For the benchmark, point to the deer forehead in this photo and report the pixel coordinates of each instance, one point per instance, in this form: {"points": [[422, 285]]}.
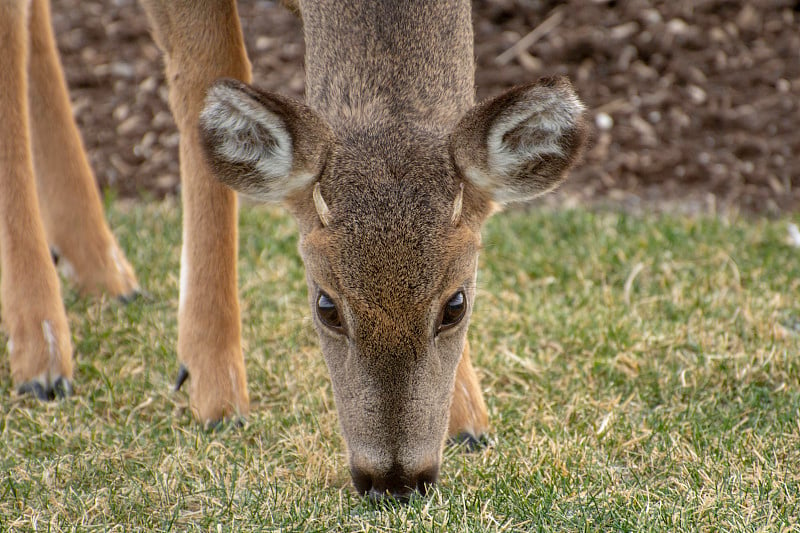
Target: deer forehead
{"points": [[389, 240], [401, 252]]}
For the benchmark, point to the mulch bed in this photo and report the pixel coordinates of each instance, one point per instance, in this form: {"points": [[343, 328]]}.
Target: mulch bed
{"points": [[693, 101]]}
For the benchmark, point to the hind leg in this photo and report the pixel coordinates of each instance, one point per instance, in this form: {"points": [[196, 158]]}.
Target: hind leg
{"points": [[39, 346], [70, 203]]}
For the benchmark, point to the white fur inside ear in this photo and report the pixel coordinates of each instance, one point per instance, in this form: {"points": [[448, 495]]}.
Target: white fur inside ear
{"points": [[538, 124], [249, 133]]}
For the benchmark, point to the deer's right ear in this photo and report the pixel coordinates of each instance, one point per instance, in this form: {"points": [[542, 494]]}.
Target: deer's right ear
{"points": [[261, 144], [520, 144]]}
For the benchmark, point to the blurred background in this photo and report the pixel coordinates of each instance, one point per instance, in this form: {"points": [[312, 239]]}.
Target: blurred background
{"points": [[695, 103]]}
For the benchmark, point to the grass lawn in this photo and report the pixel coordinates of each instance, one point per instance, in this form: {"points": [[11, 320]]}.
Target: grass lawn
{"points": [[642, 374]]}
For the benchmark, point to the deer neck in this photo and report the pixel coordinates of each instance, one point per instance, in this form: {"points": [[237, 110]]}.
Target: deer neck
{"points": [[389, 63]]}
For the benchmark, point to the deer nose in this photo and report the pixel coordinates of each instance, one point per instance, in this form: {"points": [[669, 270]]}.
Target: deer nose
{"points": [[394, 483]]}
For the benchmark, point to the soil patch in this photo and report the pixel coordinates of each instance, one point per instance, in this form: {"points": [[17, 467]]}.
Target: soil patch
{"points": [[691, 99]]}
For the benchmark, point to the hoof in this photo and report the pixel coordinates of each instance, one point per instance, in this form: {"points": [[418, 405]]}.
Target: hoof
{"points": [[213, 426], [131, 297], [183, 375], [36, 389], [213, 418], [60, 389], [470, 442]]}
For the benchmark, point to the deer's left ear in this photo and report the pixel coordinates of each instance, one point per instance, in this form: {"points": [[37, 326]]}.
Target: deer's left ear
{"points": [[521, 143]]}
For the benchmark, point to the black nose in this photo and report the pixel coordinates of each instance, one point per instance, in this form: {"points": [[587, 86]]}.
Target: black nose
{"points": [[395, 483]]}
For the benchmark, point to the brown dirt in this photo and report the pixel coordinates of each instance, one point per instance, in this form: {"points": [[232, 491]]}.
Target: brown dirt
{"points": [[693, 100]]}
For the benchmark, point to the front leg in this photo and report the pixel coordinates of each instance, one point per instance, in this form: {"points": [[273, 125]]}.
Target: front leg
{"points": [[209, 329], [469, 420], [202, 41]]}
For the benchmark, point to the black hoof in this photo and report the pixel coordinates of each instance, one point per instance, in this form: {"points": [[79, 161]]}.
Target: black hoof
{"points": [[60, 389], [35, 389], [469, 442], [131, 297], [219, 425], [183, 374]]}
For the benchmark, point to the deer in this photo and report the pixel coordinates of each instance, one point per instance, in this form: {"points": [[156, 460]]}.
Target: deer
{"points": [[389, 169]]}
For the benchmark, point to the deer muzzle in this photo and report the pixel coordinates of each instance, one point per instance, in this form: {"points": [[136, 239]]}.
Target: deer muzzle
{"points": [[396, 482]]}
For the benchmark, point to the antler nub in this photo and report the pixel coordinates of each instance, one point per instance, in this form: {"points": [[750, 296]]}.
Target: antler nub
{"points": [[457, 205], [321, 206]]}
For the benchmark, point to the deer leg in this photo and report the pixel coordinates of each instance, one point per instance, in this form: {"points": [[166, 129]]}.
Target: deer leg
{"points": [[39, 345], [69, 200], [202, 41], [469, 420]]}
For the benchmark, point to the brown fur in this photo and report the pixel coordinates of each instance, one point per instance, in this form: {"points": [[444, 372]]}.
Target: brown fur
{"points": [[42, 162], [468, 411], [389, 119], [388, 137], [209, 327]]}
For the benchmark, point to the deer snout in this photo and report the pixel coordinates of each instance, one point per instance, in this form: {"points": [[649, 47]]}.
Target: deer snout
{"points": [[396, 482]]}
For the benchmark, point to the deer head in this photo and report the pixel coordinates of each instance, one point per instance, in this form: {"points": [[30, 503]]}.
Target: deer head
{"points": [[389, 234], [390, 181]]}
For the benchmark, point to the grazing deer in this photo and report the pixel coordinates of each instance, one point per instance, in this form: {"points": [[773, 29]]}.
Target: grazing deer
{"points": [[48, 202], [390, 170]]}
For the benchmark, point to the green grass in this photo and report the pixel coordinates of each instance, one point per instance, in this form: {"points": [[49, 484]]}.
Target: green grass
{"points": [[642, 374]]}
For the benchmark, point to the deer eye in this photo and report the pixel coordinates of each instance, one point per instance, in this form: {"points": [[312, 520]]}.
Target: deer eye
{"points": [[453, 311], [327, 312]]}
